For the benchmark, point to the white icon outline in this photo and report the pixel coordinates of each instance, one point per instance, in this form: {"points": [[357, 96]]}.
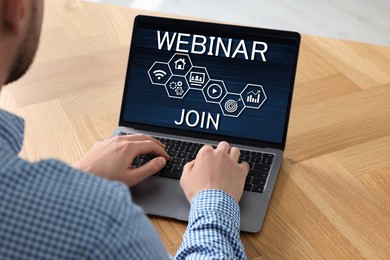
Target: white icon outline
{"points": [[180, 57], [252, 99], [177, 87], [262, 97], [229, 101], [222, 94], [214, 86], [194, 82], [180, 64], [166, 77], [231, 106]]}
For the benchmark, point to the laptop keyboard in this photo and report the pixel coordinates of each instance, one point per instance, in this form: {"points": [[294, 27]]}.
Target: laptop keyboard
{"points": [[182, 152]]}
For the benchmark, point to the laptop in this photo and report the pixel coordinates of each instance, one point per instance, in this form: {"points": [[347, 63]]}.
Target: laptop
{"points": [[192, 83]]}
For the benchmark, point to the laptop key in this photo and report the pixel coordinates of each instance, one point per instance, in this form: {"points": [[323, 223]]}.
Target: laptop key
{"points": [[191, 156], [244, 157], [260, 174], [263, 175], [258, 181], [248, 187], [191, 149], [258, 188], [261, 167], [268, 155], [178, 169], [176, 141], [137, 162], [186, 144], [182, 154], [168, 167], [176, 161], [198, 145], [169, 146], [245, 152], [266, 160], [256, 154], [172, 153], [167, 174], [255, 159], [185, 161], [180, 148]]}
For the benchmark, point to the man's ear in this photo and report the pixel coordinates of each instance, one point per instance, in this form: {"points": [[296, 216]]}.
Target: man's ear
{"points": [[14, 15]]}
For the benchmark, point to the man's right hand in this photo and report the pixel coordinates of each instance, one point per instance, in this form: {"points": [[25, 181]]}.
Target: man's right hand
{"points": [[112, 158], [215, 169]]}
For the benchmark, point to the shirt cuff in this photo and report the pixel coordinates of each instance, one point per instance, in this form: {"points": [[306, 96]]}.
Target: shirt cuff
{"points": [[217, 202]]}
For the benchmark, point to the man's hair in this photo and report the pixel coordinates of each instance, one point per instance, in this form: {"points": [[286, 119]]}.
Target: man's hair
{"points": [[28, 47]]}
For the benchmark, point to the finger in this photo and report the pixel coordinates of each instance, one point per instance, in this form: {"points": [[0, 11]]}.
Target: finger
{"points": [[141, 137], [146, 147], [137, 175], [188, 166], [235, 153], [205, 148], [223, 146], [245, 166]]}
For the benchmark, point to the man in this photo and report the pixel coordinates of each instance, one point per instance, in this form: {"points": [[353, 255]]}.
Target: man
{"points": [[50, 210]]}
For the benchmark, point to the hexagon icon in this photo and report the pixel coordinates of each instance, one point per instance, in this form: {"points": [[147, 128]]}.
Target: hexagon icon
{"points": [[180, 64], [253, 96], [177, 87], [232, 105], [159, 73], [214, 91], [197, 77]]}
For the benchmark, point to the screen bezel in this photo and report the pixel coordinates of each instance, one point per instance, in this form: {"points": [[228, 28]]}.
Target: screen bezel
{"points": [[226, 30]]}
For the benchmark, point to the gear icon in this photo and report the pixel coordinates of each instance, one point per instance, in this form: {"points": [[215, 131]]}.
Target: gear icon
{"points": [[179, 91], [173, 85]]}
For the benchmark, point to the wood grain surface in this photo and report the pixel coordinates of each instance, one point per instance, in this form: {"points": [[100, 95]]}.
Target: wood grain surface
{"points": [[332, 197]]}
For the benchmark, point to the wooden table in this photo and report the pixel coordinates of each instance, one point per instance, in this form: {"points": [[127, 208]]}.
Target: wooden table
{"points": [[332, 197]]}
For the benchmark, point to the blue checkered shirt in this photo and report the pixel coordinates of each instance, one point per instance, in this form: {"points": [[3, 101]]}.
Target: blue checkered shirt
{"points": [[49, 210]]}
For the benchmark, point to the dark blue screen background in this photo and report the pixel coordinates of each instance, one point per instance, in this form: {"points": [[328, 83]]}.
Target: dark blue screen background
{"points": [[149, 104]]}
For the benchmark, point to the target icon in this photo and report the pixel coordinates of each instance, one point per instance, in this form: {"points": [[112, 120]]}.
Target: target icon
{"points": [[231, 106]]}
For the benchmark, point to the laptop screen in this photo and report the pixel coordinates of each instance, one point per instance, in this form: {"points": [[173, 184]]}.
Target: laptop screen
{"points": [[210, 80]]}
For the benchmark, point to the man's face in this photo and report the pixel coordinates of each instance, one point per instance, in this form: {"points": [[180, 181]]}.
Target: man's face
{"points": [[29, 45]]}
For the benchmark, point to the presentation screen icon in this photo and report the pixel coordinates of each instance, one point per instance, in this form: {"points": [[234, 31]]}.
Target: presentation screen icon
{"points": [[197, 78]]}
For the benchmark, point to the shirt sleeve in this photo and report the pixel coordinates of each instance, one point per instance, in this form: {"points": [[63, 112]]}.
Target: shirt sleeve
{"points": [[213, 230], [128, 234]]}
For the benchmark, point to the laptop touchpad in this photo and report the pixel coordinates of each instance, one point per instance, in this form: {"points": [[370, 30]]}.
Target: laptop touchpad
{"points": [[163, 197]]}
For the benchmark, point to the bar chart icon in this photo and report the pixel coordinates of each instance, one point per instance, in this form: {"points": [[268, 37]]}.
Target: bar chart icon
{"points": [[253, 97]]}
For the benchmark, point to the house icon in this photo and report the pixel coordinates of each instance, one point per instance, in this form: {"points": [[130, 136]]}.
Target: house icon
{"points": [[180, 64]]}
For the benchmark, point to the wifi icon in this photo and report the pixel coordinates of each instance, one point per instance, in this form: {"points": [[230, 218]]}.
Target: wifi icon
{"points": [[159, 74]]}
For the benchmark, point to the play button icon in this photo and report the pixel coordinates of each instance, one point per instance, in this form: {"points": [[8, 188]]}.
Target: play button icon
{"points": [[214, 91]]}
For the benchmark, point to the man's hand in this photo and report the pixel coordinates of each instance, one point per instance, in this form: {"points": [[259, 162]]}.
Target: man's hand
{"points": [[112, 158], [215, 169]]}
